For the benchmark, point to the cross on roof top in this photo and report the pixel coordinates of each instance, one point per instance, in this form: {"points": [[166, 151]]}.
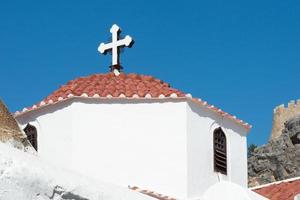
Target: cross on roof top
{"points": [[115, 46]]}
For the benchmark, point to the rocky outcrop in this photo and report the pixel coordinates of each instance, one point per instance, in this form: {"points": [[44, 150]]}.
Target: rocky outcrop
{"points": [[10, 131], [279, 159]]}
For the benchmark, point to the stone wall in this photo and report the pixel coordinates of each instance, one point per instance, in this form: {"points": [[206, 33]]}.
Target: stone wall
{"points": [[282, 114], [10, 131]]}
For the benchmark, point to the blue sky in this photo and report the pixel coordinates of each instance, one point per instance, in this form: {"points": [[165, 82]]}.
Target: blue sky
{"points": [[242, 56]]}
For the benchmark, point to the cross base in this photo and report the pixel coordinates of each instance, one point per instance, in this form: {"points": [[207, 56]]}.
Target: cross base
{"points": [[117, 67]]}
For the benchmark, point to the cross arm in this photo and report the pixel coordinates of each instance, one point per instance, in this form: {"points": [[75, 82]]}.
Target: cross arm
{"points": [[127, 41], [104, 47]]}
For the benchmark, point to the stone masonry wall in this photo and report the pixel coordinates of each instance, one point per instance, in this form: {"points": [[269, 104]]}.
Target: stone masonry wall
{"points": [[10, 131], [282, 114]]}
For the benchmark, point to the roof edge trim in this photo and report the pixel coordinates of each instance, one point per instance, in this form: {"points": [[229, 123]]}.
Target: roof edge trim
{"points": [[275, 183], [187, 97]]}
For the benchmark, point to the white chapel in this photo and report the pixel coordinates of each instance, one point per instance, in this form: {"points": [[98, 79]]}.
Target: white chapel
{"points": [[136, 130]]}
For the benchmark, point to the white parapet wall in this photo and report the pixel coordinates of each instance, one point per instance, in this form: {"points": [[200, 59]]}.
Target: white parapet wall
{"points": [[28, 177]]}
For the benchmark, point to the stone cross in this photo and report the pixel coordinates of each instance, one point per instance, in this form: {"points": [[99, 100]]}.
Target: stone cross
{"points": [[115, 46]]}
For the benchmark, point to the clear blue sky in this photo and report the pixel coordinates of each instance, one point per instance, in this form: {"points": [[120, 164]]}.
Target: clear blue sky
{"points": [[242, 56]]}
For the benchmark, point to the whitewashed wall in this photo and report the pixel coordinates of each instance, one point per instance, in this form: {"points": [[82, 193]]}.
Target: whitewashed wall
{"points": [[54, 127], [201, 123], [139, 144], [159, 145]]}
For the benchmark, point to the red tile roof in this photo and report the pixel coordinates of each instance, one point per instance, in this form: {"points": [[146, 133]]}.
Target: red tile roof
{"points": [[109, 84], [282, 190], [128, 86], [152, 194]]}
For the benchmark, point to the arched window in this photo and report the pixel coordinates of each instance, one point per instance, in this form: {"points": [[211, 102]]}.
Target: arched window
{"points": [[31, 134], [220, 153]]}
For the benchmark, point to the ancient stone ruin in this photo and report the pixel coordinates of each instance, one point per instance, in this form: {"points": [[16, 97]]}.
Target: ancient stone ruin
{"points": [[282, 114], [279, 159]]}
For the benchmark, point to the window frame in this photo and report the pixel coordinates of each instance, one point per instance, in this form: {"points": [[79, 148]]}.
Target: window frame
{"points": [[220, 151], [31, 134]]}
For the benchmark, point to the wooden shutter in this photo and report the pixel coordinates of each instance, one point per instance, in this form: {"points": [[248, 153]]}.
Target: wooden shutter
{"points": [[220, 153], [31, 134]]}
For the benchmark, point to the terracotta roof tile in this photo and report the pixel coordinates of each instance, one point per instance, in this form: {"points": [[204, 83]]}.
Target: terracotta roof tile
{"points": [[152, 193], [284, 190], [104, 84], [123, 86]]}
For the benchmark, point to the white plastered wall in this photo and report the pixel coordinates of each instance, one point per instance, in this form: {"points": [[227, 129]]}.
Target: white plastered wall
{"points": [[55, 129], [153, 144], [127, 142], [201, 123]]}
